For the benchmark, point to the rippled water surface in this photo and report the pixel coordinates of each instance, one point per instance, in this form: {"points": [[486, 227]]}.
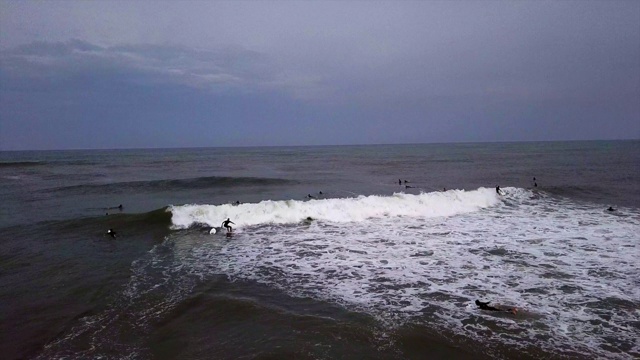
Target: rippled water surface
{"points": [[338, 252]]}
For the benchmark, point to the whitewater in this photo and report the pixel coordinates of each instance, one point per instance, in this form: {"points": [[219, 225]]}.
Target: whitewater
{"points": [[340, 210], [367, 268], [569, 267]]}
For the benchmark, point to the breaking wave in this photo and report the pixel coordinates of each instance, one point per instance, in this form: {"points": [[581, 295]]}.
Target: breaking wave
{"points": [[339, 210]]}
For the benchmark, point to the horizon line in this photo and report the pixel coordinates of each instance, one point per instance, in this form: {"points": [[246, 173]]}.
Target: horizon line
{"points": [[318, 145]]}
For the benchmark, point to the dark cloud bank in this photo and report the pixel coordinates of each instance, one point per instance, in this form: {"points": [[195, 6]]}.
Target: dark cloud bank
{"points": [[78, 94]]}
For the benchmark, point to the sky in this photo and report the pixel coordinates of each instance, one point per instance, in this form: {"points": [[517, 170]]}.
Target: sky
{"points": [[158, 74]]}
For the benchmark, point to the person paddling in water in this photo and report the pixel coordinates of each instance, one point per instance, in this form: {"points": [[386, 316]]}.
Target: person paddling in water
{"points": [[225, 224], [485, 306]]}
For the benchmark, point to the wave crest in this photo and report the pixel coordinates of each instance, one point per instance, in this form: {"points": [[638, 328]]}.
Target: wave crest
{"points": [[357, 209], [169, 185]]}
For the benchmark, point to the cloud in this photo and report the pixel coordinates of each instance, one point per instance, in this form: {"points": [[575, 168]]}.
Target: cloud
{"points": [[230, 69], [319, 72]]}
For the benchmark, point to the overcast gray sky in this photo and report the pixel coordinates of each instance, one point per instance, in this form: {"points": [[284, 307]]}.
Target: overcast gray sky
{"points": [[137, 74]]}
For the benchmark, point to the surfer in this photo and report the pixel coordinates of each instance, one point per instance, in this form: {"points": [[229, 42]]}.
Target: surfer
{"points": [[611, 209], [311, 196], [485, 306], [111, 233], [498, 190], [225, 224], [399, 182]]}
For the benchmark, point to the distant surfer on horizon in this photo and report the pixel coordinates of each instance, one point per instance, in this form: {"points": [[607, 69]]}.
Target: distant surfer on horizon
{"points": [[485, 306], [498, 190], [225, 224], [111, 233], [611, 209]]}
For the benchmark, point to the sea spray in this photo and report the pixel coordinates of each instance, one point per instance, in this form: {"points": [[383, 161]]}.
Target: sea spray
{"points": [[340, 210]]}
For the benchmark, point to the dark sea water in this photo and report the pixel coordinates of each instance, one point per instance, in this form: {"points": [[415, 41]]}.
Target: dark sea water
{"points": [[365, 268]]}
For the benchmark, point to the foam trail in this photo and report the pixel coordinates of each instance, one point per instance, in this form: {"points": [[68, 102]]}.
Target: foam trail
{"points": [[343, 210]]}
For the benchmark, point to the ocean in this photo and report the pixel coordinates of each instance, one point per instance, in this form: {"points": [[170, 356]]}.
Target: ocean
{"points": [[338, 252]]}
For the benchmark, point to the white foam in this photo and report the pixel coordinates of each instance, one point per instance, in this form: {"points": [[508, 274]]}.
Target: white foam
{"points": [[358, 209], [425, 258]]}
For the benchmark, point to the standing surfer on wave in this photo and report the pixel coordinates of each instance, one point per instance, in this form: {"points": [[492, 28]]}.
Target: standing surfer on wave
{"points": [[225, 224]]}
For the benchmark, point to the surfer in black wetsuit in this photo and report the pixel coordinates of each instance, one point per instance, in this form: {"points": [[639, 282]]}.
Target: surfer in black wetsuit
{"points": [[485, 306], [111, 233], [498, 190], [225, 224], [611, 209]]}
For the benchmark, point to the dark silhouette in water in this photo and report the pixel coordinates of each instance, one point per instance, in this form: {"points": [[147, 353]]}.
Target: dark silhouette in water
{"points": [[119, 207], [498, 190], [611, 209], [111, 233], [485, 306], [225, 224]]}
